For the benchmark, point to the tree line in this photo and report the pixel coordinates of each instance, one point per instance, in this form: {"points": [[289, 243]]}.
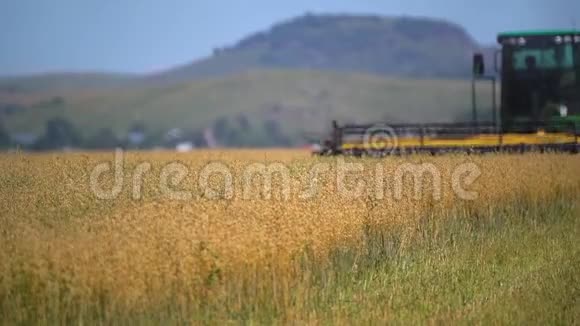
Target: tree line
{"points": [[60, 134]]}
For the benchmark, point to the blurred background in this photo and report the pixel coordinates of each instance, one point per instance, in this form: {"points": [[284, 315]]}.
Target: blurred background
{"points": [[184, 74]]}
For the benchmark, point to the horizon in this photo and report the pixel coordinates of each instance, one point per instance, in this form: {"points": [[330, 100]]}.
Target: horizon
{"points": [[105, 38]]}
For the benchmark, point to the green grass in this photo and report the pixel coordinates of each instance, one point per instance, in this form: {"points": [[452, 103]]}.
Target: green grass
{"points": [[519, 266]]}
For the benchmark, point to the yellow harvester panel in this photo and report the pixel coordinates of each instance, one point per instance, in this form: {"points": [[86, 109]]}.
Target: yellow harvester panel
{"points": [[470, 141]]}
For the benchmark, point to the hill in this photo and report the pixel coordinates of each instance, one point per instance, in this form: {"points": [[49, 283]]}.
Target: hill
{"points": [[388, 46], [295, 102]]}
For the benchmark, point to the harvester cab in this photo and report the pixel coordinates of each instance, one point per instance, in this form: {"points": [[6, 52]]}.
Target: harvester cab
{"points": [[540, 77], [539, 108]]}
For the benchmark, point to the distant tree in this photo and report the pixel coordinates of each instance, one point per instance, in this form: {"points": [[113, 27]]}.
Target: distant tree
{"points": [[225, 132], [4, 138], [104, 138], [198, 139], [59, 133], [243, 122], [274, 133], [220, 126], [138, 126]]}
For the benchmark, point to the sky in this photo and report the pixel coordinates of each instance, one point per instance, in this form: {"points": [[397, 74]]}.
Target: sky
{"points": [[143, 36]]}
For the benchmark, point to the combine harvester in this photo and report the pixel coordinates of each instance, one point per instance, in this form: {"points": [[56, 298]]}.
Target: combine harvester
{"points": [[539, 110]]}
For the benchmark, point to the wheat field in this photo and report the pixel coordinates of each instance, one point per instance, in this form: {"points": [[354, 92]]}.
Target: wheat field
{"points": [[173, 248]]}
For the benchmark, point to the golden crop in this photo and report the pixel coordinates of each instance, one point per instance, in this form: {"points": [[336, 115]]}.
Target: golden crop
{"points": [[61, 244]]}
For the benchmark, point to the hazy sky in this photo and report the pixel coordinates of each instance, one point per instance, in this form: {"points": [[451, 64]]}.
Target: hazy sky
{"points": [[151, 35]]}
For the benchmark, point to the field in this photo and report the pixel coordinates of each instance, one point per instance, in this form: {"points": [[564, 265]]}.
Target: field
{"points": [[206, 237]]}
